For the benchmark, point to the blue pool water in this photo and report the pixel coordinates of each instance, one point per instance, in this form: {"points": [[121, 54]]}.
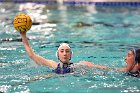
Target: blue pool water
{"points": [[105, 39]]}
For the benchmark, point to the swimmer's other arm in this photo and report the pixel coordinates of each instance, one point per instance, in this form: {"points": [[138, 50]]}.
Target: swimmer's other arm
{"points": [[109, 68], [38, 59], [90, 64]]}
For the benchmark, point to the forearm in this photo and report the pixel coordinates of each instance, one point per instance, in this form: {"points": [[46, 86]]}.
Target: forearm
{"points": [[90, 64], [122, 69], [26, 45], [100, 67], [109, 68]]}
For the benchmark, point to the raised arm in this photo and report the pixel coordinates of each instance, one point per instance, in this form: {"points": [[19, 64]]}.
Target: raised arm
{"points": [[38, 59]]}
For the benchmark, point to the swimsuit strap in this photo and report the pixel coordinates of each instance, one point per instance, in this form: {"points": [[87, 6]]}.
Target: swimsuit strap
{"points": [[134, 74]]}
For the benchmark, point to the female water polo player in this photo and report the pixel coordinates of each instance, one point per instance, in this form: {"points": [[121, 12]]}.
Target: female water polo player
{"points": [[133, 63], [63, 53], [132, 60]]}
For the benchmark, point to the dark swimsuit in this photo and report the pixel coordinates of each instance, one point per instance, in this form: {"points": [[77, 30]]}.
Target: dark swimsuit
{"points": [[65, 69], [134, 74]]}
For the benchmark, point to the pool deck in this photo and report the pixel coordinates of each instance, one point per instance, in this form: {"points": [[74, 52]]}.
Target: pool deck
{"points": [[103, 0], [70, 0]]}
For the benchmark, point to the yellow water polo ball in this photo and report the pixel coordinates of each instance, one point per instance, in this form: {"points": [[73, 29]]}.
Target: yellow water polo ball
{"points": [[22, 22]]}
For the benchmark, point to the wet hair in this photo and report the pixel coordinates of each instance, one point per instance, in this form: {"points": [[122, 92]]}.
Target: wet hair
{"points": [[136, 52]]}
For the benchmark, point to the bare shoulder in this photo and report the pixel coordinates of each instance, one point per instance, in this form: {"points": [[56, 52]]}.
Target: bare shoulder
{"points": [[53, 63]]}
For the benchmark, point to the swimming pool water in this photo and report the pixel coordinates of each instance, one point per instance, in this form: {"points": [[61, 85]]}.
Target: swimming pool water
{"points": [[110, 32]]}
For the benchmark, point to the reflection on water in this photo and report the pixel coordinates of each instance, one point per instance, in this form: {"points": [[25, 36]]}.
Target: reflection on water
{"points": [[102, 36]]}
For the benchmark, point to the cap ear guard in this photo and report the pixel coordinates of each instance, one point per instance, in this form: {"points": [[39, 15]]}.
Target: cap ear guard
{"points": [[137, 58], [56, 54], [137, 55]]}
